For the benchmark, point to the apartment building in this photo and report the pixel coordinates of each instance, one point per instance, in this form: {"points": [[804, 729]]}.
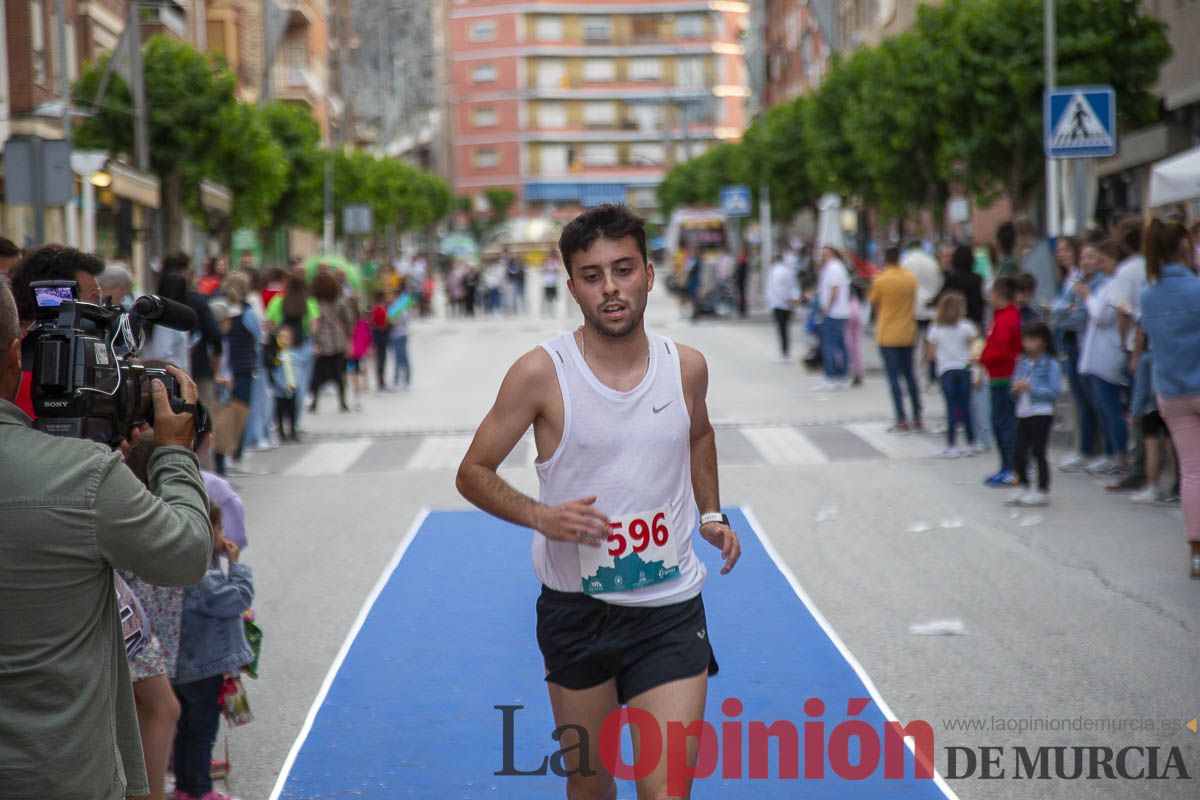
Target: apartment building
{"points": [[796, 47], [31, 105], [581, 102], [294, 38]]}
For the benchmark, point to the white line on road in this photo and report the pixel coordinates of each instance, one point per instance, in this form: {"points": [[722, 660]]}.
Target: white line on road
{"points": [[783, 446], [867, 683], [330, 458], [890, 444], [384, 577], [440, 452]]}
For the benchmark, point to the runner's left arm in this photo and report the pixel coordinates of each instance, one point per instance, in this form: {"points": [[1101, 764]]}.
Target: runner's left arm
{"points": [[705, 483]]}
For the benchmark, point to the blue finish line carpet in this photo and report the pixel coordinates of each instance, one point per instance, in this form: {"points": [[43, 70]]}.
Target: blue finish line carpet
{"points": [[410, 709]]}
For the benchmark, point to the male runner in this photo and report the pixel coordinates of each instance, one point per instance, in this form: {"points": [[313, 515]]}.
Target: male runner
{"points": [[626, 453]]}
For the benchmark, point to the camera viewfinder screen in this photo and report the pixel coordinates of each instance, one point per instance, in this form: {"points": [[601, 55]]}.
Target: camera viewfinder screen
{"points": [[49, 296]]}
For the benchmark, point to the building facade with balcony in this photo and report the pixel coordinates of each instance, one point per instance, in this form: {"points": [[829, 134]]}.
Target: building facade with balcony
{"points": [[298, 53], [796, 47], [581, 102], [115, 219]]}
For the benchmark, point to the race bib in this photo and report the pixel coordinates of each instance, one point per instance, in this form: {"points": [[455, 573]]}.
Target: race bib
{"points": [[640, 552]]}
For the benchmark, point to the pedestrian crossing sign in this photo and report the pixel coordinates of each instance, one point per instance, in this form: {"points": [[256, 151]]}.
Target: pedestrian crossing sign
{"points": [[1080, 122], [735, 201]]}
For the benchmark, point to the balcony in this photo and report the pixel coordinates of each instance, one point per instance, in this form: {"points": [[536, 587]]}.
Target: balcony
{"points": [[166, 18], [298, 84]]}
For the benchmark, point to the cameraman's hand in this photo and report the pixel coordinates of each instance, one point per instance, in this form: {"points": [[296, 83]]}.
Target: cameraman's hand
{"points": [[126, 445], [169, 427]]}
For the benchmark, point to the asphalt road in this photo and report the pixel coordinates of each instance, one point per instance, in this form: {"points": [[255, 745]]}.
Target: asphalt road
{"points": [[1077, 616]]}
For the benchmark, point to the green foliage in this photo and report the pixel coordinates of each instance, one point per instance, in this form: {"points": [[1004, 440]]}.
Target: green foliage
{"points": [[296, 130], [833, 164], [989, 96], [500, 201], [485, 227], [252, 163], [187, 95], [956, 97], [775, 153], [699, 180], [270, 157], [398, 193], [893, 140]]}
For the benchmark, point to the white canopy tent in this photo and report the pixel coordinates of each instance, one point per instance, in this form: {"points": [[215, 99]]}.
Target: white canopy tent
{"points": [[1176, 179], [829, 222]]}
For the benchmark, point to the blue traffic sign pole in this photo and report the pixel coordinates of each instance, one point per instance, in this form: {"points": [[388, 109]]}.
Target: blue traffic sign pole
{"points": [[1080, 125], [1052, 212]]}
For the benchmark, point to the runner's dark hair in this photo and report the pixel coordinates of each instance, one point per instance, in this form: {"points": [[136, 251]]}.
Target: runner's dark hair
{"points": [[602, 222]]}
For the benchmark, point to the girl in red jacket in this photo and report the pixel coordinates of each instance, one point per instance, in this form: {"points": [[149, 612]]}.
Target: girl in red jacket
{"points": [[999, 358]]}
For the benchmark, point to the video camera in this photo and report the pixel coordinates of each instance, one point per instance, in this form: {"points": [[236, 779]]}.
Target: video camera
{"points": [[87, 382]]}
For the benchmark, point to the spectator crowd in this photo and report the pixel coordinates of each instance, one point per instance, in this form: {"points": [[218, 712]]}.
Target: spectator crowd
{"points": [[1119, 342]]}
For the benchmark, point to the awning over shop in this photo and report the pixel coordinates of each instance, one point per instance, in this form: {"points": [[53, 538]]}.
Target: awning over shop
{"points": [[1144, 147], [133, 184], [216, 197], [1175, 180], [586, 194]]}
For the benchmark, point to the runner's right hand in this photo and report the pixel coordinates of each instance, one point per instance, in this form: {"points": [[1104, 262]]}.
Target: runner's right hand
{"points": [[577, 521]]}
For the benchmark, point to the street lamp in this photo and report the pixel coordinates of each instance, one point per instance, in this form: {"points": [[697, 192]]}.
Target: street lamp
{"points": [[89, 165]]}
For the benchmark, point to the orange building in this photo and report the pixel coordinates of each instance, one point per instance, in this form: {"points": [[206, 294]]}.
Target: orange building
{"points": [[581, 102]]}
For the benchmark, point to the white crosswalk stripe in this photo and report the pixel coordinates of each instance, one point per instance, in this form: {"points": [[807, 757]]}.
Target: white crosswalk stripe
{"points": [[783, 445], [891, 445], [330, 458], [439, 452], [773, 444]]}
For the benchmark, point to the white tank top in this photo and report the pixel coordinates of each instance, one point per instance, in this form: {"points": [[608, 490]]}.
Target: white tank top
{"points": [[632, 450]]}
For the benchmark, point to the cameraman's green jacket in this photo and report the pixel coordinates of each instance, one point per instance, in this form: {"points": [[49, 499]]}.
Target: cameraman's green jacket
{"points": [[70, 512]]}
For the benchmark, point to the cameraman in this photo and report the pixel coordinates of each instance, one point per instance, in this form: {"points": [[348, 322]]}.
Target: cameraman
{"points": [[70, 511], [52, 262]]}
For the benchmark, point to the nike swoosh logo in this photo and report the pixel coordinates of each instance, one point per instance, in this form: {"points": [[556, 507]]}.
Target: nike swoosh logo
{"points": [[658, 409], [701, 633]]}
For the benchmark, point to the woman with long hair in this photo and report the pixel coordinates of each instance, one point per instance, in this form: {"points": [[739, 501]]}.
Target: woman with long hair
{"points": [[165, 344], [1170, 311], [331, 336], [296, 309], [243, 348], [1102, 363], [1069, 316], [962, 278]]}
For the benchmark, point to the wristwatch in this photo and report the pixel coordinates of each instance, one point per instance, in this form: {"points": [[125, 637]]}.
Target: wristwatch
{"points": [[716, 516]]}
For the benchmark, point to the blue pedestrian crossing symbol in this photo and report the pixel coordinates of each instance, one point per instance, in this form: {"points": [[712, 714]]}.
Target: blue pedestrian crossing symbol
{"points": [[1080, 122], [735, 201]]}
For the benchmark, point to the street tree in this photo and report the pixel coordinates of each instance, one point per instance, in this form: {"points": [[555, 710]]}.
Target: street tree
{"points": [[834, 166], [399, 194], [486, 226], [698, 181], [891, 121], [775, 153], [188, 96], [252, 163], [990, 93], [296, 130]]}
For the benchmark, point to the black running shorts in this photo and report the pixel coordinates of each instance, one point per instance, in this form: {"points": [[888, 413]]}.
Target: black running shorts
{"points": [[586, 641]]}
